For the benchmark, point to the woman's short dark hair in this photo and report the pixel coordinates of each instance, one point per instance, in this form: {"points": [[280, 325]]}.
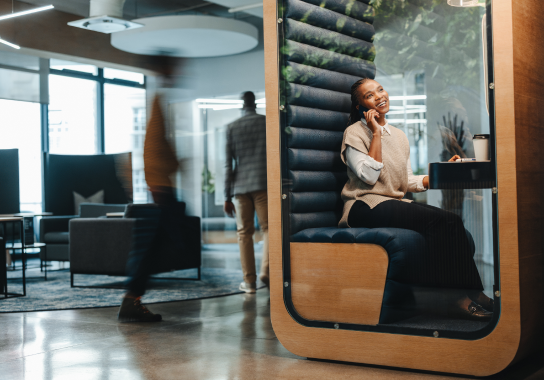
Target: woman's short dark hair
{"points": [[354, 115]]}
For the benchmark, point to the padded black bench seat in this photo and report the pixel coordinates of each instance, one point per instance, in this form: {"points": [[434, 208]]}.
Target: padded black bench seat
{"points": [[405, 248], [406, 252]]}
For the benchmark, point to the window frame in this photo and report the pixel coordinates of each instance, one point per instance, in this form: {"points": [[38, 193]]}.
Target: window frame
{"points": [[101, 81]]}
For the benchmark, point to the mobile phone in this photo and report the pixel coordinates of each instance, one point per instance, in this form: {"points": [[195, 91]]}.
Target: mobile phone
{"points": [[362, 109]]}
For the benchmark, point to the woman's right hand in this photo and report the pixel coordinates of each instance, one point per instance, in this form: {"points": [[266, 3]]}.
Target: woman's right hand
{"points": [[454, 158], [371, 117]]}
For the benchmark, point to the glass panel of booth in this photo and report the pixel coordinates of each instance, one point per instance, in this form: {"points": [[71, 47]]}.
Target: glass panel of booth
{"points": [[431, 58], [434, 69], [200, 137]]}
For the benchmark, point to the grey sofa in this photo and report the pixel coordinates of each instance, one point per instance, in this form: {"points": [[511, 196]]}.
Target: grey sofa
{"points": [[54, 230], [102, 246]]}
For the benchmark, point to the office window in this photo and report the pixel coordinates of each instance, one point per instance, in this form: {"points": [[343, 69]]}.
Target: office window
{"points": [[124, 128], [20, 129], [13, 59], [19, 85], [72, 115], [123, 75], [59, 64]]}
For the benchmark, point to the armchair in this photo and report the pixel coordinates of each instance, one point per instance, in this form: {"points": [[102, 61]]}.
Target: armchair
{"points": [[86, 175], [102, 246], [54, 230]]}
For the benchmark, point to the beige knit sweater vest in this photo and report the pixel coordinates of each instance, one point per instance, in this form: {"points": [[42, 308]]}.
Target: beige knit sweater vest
{"points": [[393, 180]]}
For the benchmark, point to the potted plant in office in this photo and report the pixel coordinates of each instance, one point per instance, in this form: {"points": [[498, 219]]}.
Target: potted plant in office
{"points": [[454, 138]]}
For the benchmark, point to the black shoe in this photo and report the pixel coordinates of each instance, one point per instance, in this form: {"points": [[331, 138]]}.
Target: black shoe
{"points": [[474, 312], [489, 306], [132, 310]]}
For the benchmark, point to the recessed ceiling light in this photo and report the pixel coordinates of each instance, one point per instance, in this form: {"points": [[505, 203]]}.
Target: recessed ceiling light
{"points": [[23, 13], [9, 44], [105, 24]]}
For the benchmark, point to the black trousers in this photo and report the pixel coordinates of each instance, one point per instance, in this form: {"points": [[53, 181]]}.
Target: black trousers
{"points": [[153, 227], [448, 260]]}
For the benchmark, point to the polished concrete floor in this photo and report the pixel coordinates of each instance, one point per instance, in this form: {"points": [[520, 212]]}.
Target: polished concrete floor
{"points": [[220, 338]]}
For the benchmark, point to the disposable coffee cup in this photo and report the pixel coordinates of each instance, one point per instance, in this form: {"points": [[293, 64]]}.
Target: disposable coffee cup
{"points": [[481, 147]]}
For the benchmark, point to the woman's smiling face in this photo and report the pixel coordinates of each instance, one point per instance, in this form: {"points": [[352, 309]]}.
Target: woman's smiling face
{"points": [[373, 96]]}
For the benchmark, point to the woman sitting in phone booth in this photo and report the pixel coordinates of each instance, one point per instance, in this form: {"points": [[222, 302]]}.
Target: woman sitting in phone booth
{"points": [[379, 175]]}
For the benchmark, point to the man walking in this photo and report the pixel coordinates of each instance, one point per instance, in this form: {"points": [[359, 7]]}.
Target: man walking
{"points": [[159, 222], [245, 187]]}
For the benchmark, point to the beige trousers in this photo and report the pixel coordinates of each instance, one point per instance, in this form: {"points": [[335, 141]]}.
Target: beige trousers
{"points": [[245, 206]]}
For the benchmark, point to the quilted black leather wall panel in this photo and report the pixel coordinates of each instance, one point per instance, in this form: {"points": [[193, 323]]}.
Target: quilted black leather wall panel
{"points": [[329, 60], [312, 118], [329, 40], [318, 160], [315, 201], [327, 47], [359, 10], [302, 221], [329, 20], [318, 78], [303, 138], [304, 181], [306, 96]]}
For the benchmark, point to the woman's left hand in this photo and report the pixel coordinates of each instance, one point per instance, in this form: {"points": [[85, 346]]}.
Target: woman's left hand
{"points": [[426, 182], [454, 158]]}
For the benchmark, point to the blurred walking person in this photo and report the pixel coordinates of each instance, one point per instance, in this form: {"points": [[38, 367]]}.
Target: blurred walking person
{"points": [[245, 187], [156, 222]]}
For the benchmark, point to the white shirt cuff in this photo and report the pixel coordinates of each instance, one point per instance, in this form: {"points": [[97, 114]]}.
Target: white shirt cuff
{"points": [[372, 163], [419, 183]]}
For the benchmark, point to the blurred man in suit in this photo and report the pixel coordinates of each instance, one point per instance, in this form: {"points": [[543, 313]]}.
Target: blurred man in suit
{"points": [[245, 187]]}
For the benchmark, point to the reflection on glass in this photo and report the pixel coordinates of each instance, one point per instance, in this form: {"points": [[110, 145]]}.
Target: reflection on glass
{"points": [[200, 143], [124, 126], [59, 64], [72, 115], [430, 58], [20, 129]]}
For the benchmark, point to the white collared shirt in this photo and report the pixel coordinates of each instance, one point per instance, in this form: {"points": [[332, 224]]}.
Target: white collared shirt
{"points": [[368, 169]]}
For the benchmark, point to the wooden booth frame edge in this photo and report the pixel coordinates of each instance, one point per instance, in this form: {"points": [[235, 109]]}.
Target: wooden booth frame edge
{"points": [[482, 357]]}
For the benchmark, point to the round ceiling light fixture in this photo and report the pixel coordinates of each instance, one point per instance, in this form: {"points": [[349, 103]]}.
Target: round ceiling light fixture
{"points": [[188, 36]]}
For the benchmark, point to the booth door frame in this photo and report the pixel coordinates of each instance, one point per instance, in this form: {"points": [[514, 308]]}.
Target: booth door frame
{"points": [[517, 92]]}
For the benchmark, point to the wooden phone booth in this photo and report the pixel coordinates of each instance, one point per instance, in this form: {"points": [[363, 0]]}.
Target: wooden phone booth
{"points": [[348, 294]]}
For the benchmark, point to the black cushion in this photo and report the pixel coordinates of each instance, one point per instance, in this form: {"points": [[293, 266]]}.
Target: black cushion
{"points": [[312, 118], [95, 210], [329, 40], [57, 237], [355, 9], [328, 60], [319, 78], [306, 96], [326, 19]]}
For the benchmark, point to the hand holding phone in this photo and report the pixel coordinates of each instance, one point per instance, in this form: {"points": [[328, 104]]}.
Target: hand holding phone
{"points": [[371, 117]]}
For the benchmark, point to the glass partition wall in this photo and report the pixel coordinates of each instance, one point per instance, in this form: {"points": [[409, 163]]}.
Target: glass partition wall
{"points": [[433, 59], [200, 138]]}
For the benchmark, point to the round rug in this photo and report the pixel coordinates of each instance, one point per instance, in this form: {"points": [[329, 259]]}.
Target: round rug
{"points": [[56, 293]]}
